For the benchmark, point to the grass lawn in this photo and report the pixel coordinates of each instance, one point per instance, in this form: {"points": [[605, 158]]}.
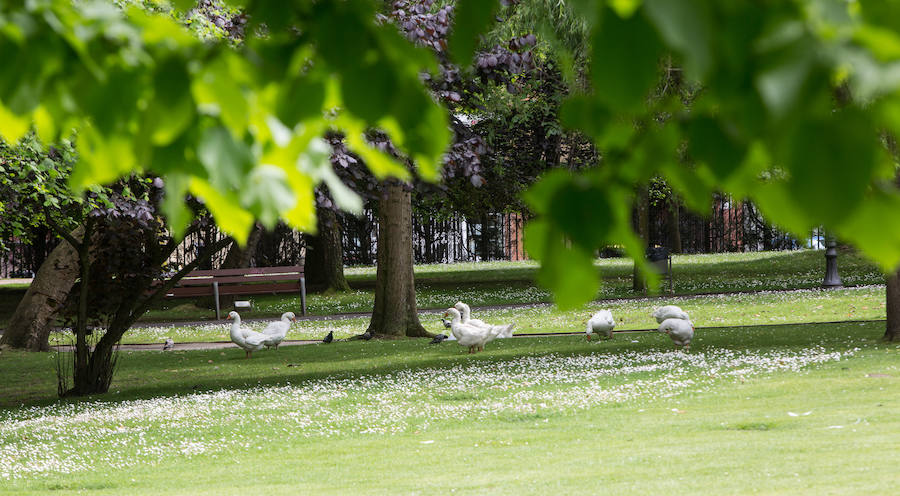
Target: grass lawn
{"points": [[865, 303], [495, 283], [782, 409]]}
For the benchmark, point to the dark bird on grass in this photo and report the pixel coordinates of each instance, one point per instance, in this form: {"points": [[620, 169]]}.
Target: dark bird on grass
{"points": [[438, 339], [366, 335], [169, 344], [446, 323], [329, 338]]}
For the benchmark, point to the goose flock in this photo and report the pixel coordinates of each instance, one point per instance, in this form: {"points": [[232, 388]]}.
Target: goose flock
{"points": [[469, 332], [672, 321], [473, 333], [251, 340]]}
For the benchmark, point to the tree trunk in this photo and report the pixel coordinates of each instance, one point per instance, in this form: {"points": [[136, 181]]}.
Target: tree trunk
{"points": [[29, 327], [239, 258], [93, 369], [674, 227], [324, 264], [394, 313], [642, 210], [892, 303]]}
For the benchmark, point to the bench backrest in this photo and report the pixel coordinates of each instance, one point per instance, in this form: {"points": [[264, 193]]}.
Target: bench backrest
{"points": [[248, 275]]}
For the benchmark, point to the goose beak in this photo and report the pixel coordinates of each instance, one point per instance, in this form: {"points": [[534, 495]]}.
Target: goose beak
{"points": [[228, 317], [294, 319]]}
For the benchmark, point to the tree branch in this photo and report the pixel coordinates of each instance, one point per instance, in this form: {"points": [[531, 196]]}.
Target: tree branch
{"points": [[63, 233]]}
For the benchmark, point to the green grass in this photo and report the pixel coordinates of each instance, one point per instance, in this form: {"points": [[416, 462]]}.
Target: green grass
{"points": [[866, 303], [629, 416], [497, 283]]}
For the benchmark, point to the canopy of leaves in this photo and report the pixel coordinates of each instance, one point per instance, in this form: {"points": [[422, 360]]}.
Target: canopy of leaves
{"points": [[795, 96], [239, 127], [34, 188]]}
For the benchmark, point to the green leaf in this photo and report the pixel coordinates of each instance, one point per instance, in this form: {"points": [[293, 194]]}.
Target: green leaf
{"points": [[539, 196], [695, 185], [535, 238], [470, 19], [580, 112], [829, 159], [624, 63], [226, 160], [710, 144], [300, 99], [380, 163], [225, 208], [218, 93], [581, 211], [267, 194], [874, 227], [788, 74], [624, 8], [178, 216], [12, 126], [102, 158], [425, 123], [367, 89], [172, 110], [184, 5], [685, 25], [567, 271]]}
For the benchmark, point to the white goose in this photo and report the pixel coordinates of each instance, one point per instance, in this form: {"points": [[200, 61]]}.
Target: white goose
{"points": [[468, 335], [669, 312], [504, 331], [276, 331], [601, 322], [247, 339], [681, 331]]}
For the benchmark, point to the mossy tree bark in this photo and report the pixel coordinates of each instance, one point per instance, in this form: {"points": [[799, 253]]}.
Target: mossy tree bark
{"points": [[394, 313]]}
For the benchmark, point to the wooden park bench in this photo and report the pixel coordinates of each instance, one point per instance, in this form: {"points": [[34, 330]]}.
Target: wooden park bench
{"points": [[251, 281]]}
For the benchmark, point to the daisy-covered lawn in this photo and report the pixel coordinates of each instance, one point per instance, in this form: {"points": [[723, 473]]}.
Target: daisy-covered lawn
{"points": [[772, 307], [498, 283], [749, 409]]}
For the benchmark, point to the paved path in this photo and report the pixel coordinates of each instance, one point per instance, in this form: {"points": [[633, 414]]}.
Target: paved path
{"points": [[299, 342]]}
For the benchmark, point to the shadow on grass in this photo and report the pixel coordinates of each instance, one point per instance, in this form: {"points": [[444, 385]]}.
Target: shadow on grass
{"points": [[144, 374]]}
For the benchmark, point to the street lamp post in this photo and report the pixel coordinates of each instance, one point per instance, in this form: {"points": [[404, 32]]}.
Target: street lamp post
{"points": [[832, 278]]}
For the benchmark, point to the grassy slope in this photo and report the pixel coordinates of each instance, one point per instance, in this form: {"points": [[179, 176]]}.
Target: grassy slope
{"points": [[733, 437]]}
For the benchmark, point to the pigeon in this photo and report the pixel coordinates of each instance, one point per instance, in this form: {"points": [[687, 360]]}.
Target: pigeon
{"points": [[329, 338], [169, 344], [446, 323], [366, 335], [438, 339]]}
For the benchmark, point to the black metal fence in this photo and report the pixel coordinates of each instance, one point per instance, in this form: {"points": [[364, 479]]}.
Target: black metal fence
{"points": [[730, 226], [454, 239]]}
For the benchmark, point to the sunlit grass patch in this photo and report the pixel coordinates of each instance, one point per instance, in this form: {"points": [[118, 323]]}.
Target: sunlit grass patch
{"points": [[745, 402]]}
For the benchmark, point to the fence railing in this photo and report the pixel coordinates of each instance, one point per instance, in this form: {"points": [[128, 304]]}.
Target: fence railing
{"points": [[730, 226]]}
